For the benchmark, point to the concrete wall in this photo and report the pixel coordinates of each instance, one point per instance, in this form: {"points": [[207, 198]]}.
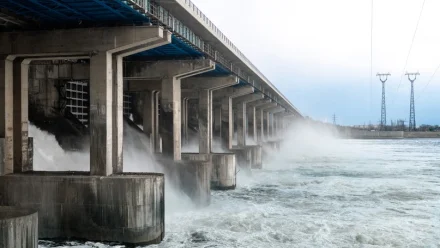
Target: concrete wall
{"points": [[422, 134], [125, 208], [365, 134], [43, 78]]}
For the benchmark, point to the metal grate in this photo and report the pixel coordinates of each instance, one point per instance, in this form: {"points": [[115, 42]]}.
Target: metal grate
{"points": [[77, 96]]}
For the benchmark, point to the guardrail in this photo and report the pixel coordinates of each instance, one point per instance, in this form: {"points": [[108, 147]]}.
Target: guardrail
{"points": [[162, 17]]}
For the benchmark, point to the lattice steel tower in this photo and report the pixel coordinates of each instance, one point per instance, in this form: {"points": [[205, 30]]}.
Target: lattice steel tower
{"points": [[412, 111], [383, 77]]}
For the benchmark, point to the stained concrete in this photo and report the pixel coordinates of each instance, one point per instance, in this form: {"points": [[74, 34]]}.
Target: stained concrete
{"points": [[223, 174], [18, 227], [249, 157], [193, 174], [2, 153], [126, 208]]}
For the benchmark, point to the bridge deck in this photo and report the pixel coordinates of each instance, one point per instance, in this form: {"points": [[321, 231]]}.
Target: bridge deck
{"points": [[180, 16]]}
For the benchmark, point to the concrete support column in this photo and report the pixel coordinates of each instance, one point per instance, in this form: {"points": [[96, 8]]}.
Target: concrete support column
{"points": [[157, 138], [101, 130], [184, 120], [225, 96], [20, 120], [217, 121], [227, 123], [266, 126], [205, 86], [171, 74], [205, 121], [240, 105], [260, 126], [241, 124], [117, 112], [6, 115], [252, 123], [149, 117], [262, 119], [254, 118], [273, 119], [170, 118]]}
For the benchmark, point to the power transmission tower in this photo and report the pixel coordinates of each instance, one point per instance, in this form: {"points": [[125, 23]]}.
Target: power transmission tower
{"points": [[334, 119], [383, 77], [412, 111]]}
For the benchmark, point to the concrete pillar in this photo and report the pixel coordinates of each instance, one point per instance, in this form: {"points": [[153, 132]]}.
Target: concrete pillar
{"points": [[204, 121], [240, 106], [217, 120], [271, 120], [171, 73], [149, 117], [241, 124], [158, 139], [225, 96], [252, 117], [205, 86], [227, 123], [6, 115], [261, 120], [267, 121], [184, 120], [101, 130], [20, 100], [266, 126], [170, 117], [117, 112]]}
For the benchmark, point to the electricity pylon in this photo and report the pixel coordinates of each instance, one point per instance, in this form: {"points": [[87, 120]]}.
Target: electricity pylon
{"points": [[412, 110], [383, 77]]}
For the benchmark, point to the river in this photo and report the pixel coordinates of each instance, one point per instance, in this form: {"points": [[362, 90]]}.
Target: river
{"points": [[318, 191]]}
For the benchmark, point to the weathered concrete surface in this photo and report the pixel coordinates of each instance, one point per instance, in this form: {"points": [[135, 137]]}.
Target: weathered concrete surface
{"points": [[223, 174], [171, 73], [194, 174], [222, 168], [249, 157], [6, 114], [18, 227], [256, 156], [126, 208], [2, 156]]}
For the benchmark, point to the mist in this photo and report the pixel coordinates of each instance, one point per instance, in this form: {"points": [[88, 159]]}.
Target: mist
{"points": [[137, 157]]}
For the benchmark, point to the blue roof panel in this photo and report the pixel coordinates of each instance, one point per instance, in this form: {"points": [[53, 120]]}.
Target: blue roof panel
{"points": [[59, 12]]}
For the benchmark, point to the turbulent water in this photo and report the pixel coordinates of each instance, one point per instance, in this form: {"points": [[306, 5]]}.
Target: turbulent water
{"points": [[319, 192]]}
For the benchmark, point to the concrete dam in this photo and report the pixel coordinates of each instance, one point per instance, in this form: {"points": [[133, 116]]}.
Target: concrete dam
{"points": [[88, 89]]}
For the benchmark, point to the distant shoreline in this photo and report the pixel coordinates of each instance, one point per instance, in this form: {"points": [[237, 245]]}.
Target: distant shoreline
{"points": [[363, 134]]}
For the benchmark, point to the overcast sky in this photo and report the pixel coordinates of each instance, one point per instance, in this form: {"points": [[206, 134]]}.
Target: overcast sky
{"points": [[317, 52]]}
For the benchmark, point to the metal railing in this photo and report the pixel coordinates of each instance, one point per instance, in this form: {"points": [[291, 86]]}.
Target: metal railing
{"points": [[162, 17]]}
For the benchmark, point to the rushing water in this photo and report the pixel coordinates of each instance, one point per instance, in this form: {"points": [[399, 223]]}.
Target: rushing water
{"points": [[320, 192]]}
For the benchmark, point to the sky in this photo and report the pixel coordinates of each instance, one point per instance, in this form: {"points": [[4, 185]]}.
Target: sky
{"points": [[318, 53]]}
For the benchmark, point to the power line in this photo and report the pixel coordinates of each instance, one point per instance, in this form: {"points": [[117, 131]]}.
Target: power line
{"points": [[429, 81], [412, 42], [371, 57]]}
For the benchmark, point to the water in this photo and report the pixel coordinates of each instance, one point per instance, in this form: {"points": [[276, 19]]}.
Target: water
{"points": [[320, 192]]}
